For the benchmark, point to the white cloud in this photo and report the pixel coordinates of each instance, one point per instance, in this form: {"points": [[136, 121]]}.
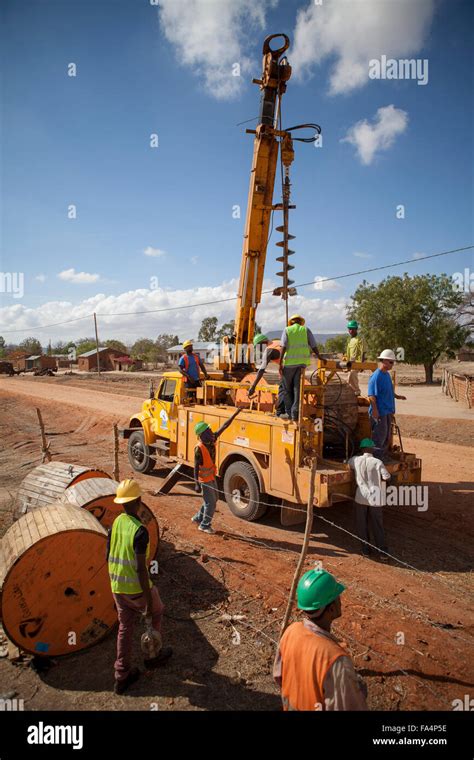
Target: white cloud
{"points": [[155, 252], [321, 283], [209, 37], [352, 33], [40, 277], [418, 255], [70, 275], [370, 139], [361, 255], [194, 259], [322, 314]]}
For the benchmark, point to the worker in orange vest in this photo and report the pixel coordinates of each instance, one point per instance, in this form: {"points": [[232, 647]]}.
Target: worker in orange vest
{"points": [[312, 669], [205, 471], [189, 366]]}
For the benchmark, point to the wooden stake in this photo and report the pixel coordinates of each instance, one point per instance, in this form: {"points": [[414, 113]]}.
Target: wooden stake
{"points": [[304, 548], [116, 472], [97, 344], [46, 454]]}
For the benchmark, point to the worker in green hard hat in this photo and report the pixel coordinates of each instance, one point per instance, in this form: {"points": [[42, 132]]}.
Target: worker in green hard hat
{"points": [[266, 351], [205, 471], [312, 669], [370, 475], [355, 352]]}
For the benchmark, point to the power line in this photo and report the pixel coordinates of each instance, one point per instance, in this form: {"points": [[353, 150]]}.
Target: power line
{"points": [[234, 298]]}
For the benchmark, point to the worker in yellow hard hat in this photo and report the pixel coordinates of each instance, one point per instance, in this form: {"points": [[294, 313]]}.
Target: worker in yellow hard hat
{"points": [[189, 365], [297, 344], [132, 588]]}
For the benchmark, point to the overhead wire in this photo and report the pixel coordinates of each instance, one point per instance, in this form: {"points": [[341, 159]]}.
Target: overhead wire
{"points": [[235, 298]]}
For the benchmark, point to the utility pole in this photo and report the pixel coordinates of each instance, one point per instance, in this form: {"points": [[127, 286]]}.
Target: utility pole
{"points": [[97, 344]]}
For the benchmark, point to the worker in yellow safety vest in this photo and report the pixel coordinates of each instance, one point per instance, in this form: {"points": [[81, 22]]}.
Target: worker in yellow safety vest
{"points": [[312, 669], [205, 471], [355, 352], [132, 588], [297, 344]]}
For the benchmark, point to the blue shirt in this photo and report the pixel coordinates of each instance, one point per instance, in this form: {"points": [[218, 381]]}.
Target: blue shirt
{"points": [[380, 386], [193, 369]]}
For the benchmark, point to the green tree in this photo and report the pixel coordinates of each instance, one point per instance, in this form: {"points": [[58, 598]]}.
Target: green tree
{"points": [[2, 346], [208, 330], [163, 342], [117, 344], [225, 330], [32, 346], [145, 349], [414, 314], [336, 345], [83, 345]]}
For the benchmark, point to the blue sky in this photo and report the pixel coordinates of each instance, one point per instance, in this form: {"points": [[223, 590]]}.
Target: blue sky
{"points": [[84, 140]]}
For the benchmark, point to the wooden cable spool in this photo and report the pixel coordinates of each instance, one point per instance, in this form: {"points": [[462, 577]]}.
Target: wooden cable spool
{"points": [[97, 496], [46, 483], [56, 596]]}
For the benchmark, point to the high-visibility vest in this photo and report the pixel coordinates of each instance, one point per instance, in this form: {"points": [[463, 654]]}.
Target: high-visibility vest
{"points": [[186, 361], [355, 349], [207, 470], [297, 350], [306, 658], [122, 558]]}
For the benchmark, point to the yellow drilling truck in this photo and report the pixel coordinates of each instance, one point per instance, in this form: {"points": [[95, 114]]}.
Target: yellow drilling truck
{"points": [[262, 459]]}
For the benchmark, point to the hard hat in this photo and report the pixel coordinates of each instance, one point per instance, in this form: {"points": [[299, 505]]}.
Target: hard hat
{"points": [[187, 343], [367, 443], [296, 316], [127, 490], [260, 338], [317, 589], [200, 427], [387, 354], [352, 325]]}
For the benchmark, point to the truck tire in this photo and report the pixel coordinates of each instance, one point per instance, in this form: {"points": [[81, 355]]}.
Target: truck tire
{"points": [[242, 492], [139, 453]]}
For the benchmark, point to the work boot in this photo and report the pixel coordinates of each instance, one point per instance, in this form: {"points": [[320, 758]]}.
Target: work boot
{"points": [[284, 416], [124, 683], [160, 659], [207, 529]]}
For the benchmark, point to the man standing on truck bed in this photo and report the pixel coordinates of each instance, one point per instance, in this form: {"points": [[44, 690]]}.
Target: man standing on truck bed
{"points": [[205, 471], [297, 343], [313, 671], [354, 353], [382, 397], [270, 354], [189, 365]]}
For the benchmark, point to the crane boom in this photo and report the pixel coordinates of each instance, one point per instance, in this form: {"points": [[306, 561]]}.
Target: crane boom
{"points": [[276, 72]]}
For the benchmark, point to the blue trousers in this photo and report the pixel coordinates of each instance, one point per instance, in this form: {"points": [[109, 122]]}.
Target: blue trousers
{"points": [[380, 434], [290, 382], [209, 495]]}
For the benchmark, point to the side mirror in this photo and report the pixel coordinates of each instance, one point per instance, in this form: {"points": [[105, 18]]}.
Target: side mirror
{"points": [[152, 390]]}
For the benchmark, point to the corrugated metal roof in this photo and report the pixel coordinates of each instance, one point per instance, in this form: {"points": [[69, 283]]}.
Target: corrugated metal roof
{"points": [[94, 351], [37, 356]]}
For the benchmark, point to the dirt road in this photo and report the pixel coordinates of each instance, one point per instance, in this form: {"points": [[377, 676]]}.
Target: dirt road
{"points": [[408, 625]]}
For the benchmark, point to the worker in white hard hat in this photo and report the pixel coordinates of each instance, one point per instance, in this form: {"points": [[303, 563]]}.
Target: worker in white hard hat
{"points": [[382, 397], [132, 588]]}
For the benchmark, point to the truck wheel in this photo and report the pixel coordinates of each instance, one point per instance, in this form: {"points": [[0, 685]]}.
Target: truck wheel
{"points": [[139, 453], [242, 492]]}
